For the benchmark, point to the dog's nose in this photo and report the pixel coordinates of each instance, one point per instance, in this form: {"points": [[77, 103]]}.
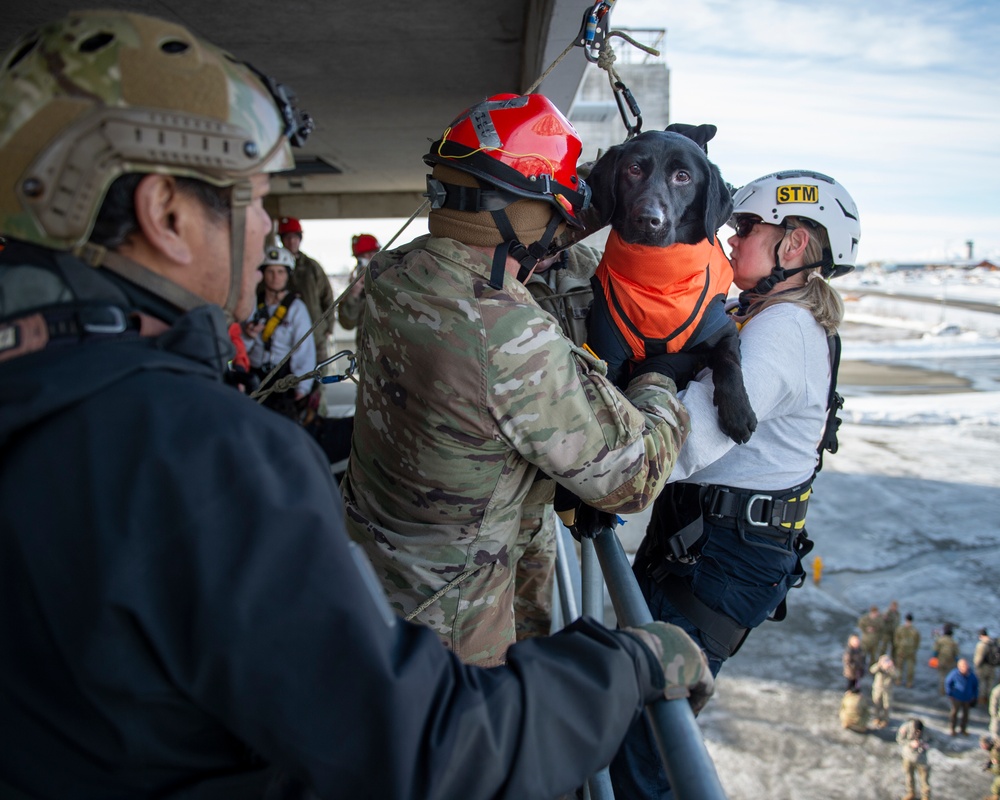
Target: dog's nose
{"points": [[649, 219]]}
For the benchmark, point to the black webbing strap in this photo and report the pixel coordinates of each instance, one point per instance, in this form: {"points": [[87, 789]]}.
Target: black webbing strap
{"points": [[834, 403], [723, 635]]}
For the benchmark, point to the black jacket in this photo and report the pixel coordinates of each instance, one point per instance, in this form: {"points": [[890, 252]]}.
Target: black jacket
{"points": [[181, 613]]}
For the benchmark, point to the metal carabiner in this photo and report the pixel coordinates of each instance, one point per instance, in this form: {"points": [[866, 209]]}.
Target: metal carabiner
{"points": [[623, 97], [352, 366], [594, 29]]}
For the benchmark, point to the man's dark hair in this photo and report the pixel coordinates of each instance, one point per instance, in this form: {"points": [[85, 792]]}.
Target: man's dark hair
{"points": [[116, 220]]}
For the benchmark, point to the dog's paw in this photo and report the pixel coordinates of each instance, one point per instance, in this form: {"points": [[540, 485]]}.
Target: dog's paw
{"points": [[736, 418]]}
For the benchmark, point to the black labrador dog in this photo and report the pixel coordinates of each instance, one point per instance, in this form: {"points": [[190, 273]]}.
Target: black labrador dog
{"points": [[656, 190]]}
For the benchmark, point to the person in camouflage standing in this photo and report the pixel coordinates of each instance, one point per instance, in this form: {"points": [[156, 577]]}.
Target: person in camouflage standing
{"points": [[469, 391], [890, 621], [363, 247], [992, 746], [561, 286], [983, 665], [913, 746], [870, 626], [905, 644], [884, 678], [946, 650]]}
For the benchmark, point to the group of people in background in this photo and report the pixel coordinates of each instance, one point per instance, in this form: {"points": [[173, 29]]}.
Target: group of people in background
{"points": [[292, 326], [887, 651]]}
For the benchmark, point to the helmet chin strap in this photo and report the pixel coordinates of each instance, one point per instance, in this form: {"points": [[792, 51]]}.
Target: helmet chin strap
{"points": [[240, 199], [527, 257], [173, 293]]}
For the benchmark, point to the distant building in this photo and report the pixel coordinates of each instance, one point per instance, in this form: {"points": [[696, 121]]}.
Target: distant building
{"points": [[594, 112]]}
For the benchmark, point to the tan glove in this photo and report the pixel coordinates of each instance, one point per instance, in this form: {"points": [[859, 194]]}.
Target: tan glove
{"points": [[684, 664]]}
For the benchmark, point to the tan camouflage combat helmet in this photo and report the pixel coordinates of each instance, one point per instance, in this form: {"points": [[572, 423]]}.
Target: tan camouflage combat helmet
{"points": [[99, 94]]}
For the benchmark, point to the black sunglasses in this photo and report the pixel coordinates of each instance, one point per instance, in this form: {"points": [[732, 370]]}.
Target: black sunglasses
{"points": [[744, 223]]}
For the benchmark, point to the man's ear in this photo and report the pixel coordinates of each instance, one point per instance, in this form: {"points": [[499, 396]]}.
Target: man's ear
{"points": [[165, 217]]}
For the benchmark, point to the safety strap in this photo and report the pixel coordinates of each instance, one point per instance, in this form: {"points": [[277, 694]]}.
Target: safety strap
{"points": [[834, 403], [527, 257], [98, 256], [723, 635], [783, 512], [65, 324], [276, 318], [241, 196]]}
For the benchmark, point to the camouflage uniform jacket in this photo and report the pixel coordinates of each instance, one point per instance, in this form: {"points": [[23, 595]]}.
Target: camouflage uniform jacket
{"points": [[466, 392], [883, 679], [906, 641], [890, 621], [905, 736], [312, 284], [870, 627], [947, 652], [350, 308]]}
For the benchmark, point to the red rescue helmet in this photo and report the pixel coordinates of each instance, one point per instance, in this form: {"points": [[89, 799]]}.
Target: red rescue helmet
{"points": [[289, 225], [521, 144], [364, 243]]}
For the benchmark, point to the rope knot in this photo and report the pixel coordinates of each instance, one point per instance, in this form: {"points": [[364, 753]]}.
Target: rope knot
{"points": [[607, 57]]}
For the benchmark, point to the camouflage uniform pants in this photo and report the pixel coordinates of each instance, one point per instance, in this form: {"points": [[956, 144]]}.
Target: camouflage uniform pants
{"points": [[869, 643], [922, 770], [533, 581], [943, 670], [882, 701], [907, 666], [985, 674]]}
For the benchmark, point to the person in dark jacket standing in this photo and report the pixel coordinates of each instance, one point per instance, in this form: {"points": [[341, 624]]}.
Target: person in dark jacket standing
{"points": [[188, 618], [962, 688]]}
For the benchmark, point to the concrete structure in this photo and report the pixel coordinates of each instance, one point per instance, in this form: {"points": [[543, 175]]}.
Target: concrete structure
{"points": [[381, 79], [594, 112]]}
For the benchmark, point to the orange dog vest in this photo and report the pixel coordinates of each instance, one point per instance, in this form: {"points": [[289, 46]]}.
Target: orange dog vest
{"points": [[658, 295]]}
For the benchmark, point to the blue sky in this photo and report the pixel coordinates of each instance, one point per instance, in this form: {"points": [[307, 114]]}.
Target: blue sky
{"points": [[898, 101]]}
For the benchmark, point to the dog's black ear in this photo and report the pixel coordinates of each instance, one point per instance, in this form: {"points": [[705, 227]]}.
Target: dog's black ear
{"points": [[603, 182], [701, 135], [718, 202]]}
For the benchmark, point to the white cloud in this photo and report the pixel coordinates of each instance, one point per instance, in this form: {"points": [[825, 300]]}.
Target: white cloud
{"points": [[899, 102]]}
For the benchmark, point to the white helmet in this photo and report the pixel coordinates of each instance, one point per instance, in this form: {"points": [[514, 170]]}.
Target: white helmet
{"points": [[807, 195], [274, 253]]}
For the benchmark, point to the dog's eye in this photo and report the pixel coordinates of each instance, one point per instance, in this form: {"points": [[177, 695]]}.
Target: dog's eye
{"points": [[682, 177], [634, 169]]}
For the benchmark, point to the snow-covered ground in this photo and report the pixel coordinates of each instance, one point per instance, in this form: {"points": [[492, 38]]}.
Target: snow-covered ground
{"points": [[907, 510]]}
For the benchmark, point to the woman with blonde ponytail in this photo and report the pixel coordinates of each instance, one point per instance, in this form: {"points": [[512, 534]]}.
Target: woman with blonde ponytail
{"points": [[727, 536]]}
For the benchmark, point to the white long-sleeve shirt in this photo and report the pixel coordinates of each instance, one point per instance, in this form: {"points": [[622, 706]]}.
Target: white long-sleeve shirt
{"points": [[786, 368], [292, 328]]}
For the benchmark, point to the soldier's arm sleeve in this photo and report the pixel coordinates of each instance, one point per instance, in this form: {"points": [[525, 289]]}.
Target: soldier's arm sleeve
{"points": [[349, 310], [555, 406], [284, 635]]}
